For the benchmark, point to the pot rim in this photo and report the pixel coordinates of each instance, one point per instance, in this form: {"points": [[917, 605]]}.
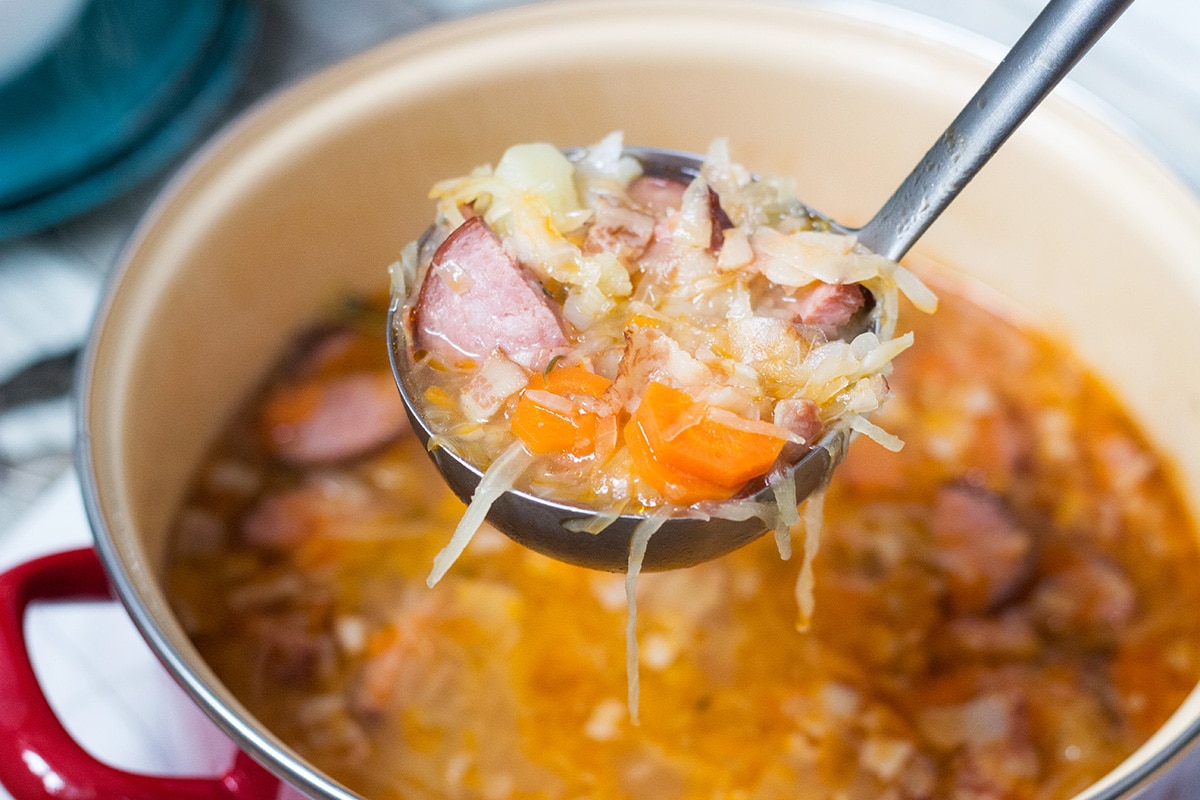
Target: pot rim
{"points": [[133, 580]]}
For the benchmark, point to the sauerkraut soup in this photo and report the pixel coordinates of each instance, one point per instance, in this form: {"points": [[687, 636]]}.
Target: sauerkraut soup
{"points": [[1004, 606], [598, 333]]}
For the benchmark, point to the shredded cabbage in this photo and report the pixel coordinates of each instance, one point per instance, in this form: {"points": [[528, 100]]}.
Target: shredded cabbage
{"points": [[637, 551], [784, 490], [814, 519], [498, 479]]}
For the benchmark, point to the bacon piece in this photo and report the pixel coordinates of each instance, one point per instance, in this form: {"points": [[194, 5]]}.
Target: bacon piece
{"points": [[831, 305], [651, 355], [283, 520], [291, 653], [656, 194], [1091, 599], [658, 258], [619, 230], [985, 554], [475, 299], [497, 379], [800, 416], [1009, 635], [803, 418], [401, 661]]}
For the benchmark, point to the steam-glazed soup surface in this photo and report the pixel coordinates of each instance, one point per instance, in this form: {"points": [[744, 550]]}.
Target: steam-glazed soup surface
{"points": [[1003, 608]]}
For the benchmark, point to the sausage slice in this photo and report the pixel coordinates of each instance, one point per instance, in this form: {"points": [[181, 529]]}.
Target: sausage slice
{"points": [[476, 299]]}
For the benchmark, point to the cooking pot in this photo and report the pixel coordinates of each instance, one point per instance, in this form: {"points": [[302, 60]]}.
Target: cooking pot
{"points": [[314, 193]]}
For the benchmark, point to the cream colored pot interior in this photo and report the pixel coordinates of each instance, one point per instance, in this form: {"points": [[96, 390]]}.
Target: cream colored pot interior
{"points": [[314, 194]]}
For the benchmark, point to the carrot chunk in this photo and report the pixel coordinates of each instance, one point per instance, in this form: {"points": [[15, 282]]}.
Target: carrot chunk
{"points": [[677, 448], [572, 380], [546, 429], [678, 487]]}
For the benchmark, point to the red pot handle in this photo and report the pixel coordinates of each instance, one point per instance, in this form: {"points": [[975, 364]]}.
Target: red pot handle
{"points": [[38, 758]]}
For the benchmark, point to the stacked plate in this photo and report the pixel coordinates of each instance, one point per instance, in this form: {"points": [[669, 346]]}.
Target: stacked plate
{"points": [[114, 101]]}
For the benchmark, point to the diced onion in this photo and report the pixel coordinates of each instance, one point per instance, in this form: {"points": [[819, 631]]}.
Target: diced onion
{"points": [[551, 401], [694, 227], [978, 722]]}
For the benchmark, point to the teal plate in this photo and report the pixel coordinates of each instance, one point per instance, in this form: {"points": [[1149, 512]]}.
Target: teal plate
{"points": [[182, 114], [101, 87]]}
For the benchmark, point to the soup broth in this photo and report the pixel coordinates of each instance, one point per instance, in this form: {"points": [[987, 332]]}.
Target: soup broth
{"points": [[1002, 607]]}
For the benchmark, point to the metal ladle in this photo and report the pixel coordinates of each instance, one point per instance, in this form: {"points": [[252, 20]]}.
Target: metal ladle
{"points": [[1054, 42]]}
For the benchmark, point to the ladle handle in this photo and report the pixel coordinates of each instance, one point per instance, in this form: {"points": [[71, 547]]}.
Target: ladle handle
{"points": [[1057, 39]]}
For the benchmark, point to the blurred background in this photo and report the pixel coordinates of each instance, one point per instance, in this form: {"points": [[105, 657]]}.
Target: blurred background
{"points": [[102, 100]]}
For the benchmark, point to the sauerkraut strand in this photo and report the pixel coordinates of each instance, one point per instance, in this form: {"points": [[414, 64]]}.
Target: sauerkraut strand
{"points": [[814, 519], [784, 490], [498, 479], [861, 424], [592, 524], [637, 551]]}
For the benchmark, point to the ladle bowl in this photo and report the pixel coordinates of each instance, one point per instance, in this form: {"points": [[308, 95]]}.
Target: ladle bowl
{"points": [[552, 528]]}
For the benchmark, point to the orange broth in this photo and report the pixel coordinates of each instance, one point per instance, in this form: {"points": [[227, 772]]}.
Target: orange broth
{"points": [[507, 679]]}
